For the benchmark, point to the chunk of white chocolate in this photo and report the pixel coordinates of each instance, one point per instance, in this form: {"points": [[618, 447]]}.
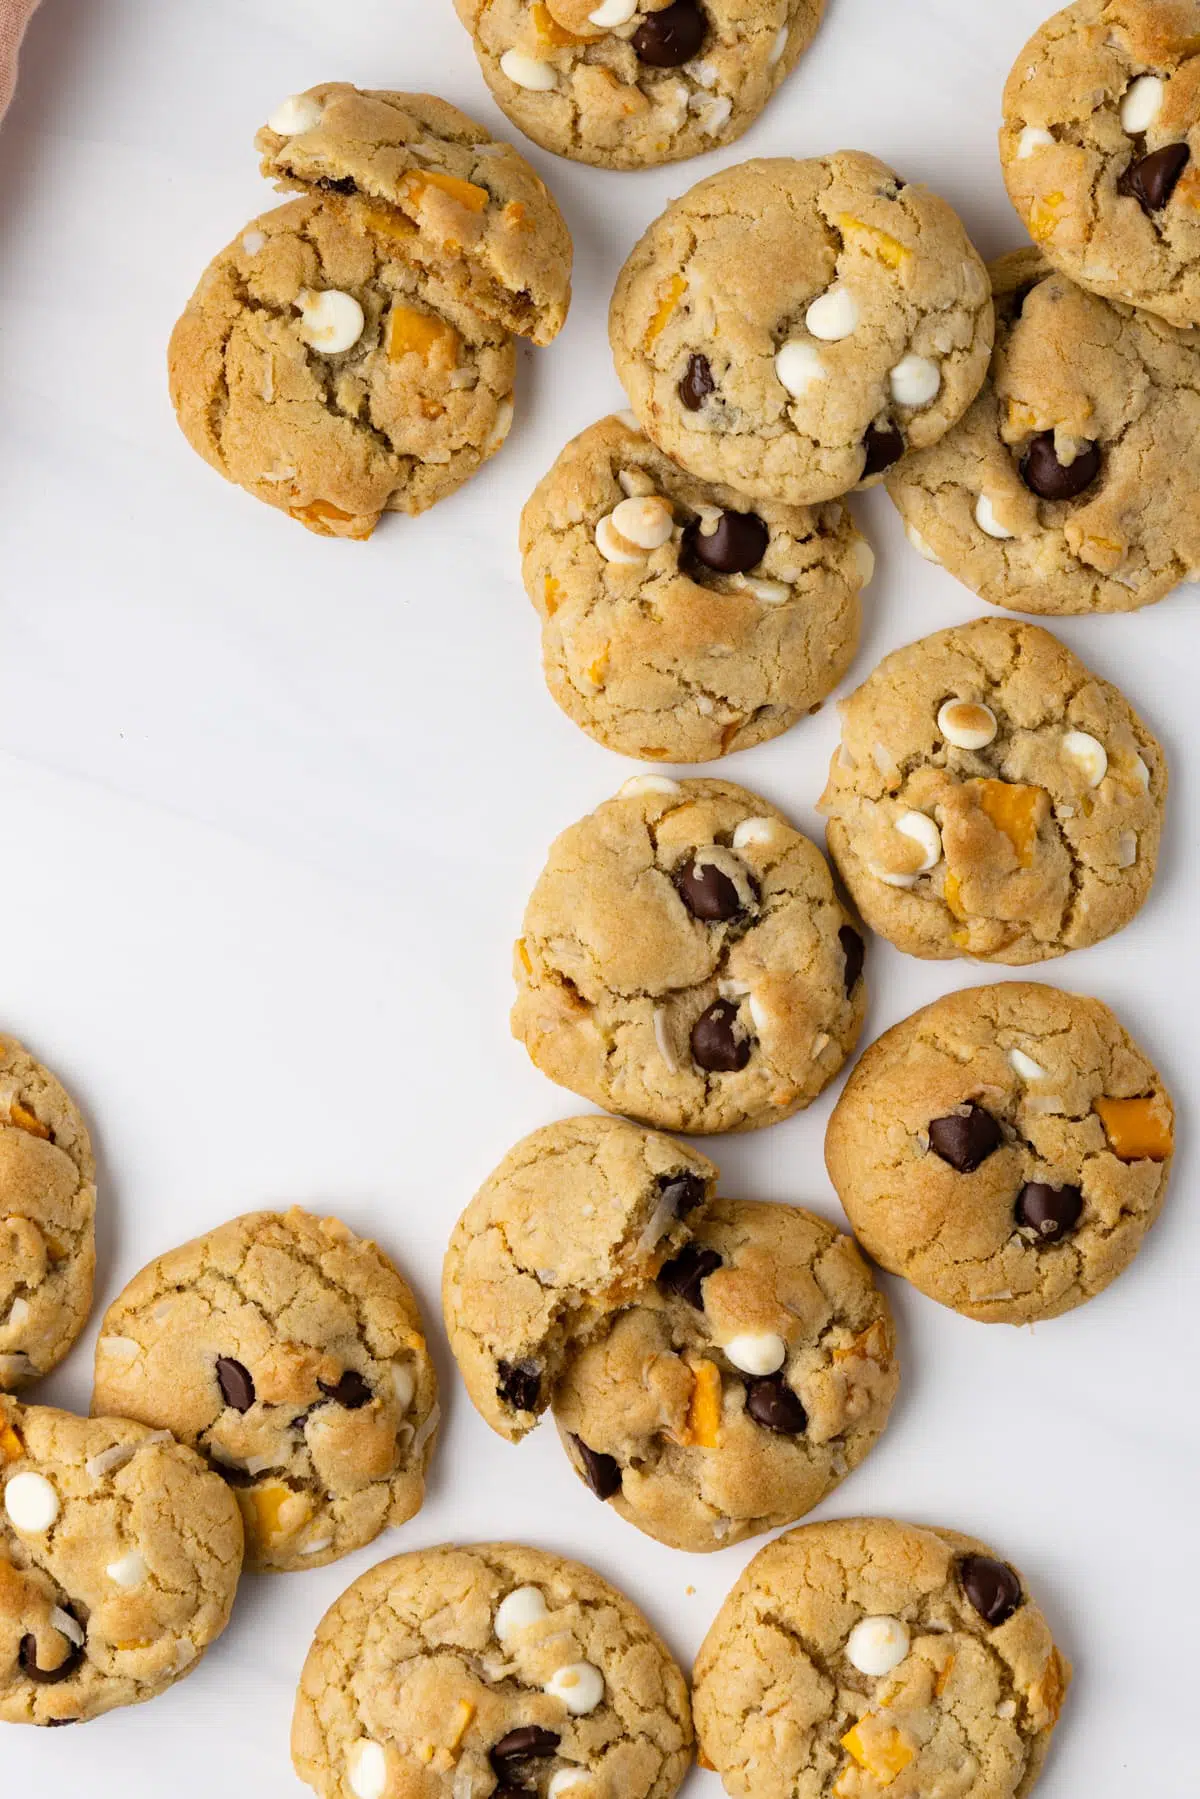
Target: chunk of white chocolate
{"points": [[877, 1645]]}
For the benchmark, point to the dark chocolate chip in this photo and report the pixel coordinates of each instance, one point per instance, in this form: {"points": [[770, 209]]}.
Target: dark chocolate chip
{"points": [[528, 1742], [884, 444], [519, 1385], [683, 1192], [1151, 181], [716, 1043], [350, 1390], [687, 1272], [965, 1139], [336, 184], [601, 1472], [738, 544], [237, 1388], [1044, 475], [48, 1677], [991, 1586], [697, 384], [854, 950], [1052, 1212], [707, 892], [771, 1403], [57, 1723], [668, 38], [233, 1477]]}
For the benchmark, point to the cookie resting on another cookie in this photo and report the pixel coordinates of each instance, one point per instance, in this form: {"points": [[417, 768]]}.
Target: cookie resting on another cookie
{"points": [[733, 1394], [993, 798], [290, 1353], [679, 621], [686, 960]]}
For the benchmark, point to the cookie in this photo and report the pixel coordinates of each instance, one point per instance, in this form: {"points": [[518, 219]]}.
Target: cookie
{"points": [[993, 798], [738, 1390], [577, 1216], [791, 328], [47, 1219], [1070, 485], [686, 960], [491, 1670], [419, 173], [1005, 1149], [629, 83], [289, 1352], [680, 621], [332, 376], [861, 1655], [119, 1557], [1101, 149]]}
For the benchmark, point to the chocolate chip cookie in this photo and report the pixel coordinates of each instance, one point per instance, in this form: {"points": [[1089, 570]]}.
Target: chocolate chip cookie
{"points": [[489, 1669], [1070, 485], [730, 1396], [119, 1556], [865, 1655], [993, 798], [47, 1219], [577, 1216], [629, 83], [686, 960], [792, 328], [679, 620], [1005, 1149], [290, 1353], [1101, 149]]}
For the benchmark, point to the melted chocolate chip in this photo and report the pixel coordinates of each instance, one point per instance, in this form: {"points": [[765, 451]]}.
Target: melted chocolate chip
{"points": [[854, 950], [48, 1677], [601, 1472], [529, 1742], [350, 1390], [697, 384], [1044, 475], [1152, 180], [519, 1385], [771, 1403], [883, 444], [716, 1043], [339, 184], [707, 892], [233, 1477], [965, 1139], [683, 1192], [57, 1723], [738, 544], [668, 38], [237, 1387], [1052, 1212], [686, 1273], [991, 1586]]}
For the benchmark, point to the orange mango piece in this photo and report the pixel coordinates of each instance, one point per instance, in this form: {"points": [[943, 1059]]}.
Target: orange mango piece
{"points": [[411, 332], [944, 1673], [1043, 216], [417, 181], [323, 515], [882, 1753], [274, 1511], [462, 1720], [702, 1761], [25, 1120], [1138, 1130], [11, 1446], [871, 1345], [704, 1412], [388, 223], [671, 297], [1013, 810], [551, 594], [952, 894], [552, 35], [884, 248]]}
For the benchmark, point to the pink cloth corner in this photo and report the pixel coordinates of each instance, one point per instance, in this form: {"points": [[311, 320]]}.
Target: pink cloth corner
{"points": [[14, 16]]}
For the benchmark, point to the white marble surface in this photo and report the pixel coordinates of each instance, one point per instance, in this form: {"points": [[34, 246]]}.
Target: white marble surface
{"points": [[271, 806]]}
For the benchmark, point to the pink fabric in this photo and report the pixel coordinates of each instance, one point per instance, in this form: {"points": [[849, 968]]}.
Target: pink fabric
{"points": [[14, 16]]}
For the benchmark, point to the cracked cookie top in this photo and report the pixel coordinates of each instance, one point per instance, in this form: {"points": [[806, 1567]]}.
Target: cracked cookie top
{"points": [[333, 376], [993, 798], [865, 1655], [290, 1353], [1101, 149], [119, 1557], [630, 83], [686, 960], [680, 622], [578, 1216], [47, 1219], [730, 1396], [792, 328], [1070, 485], [1006, 1149], [419, 173], [461, 1673]]}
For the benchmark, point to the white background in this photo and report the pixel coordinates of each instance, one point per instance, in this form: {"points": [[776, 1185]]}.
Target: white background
{"points": [[270, 807]]}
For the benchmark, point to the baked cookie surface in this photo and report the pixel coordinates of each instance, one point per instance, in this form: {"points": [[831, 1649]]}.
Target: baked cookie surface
{"points": [[577, 1216], [629, 83], [681, 621], [1006, 1149], [686, 960], [119, 1557], [290, 1353], [489, 1669], [792, 328], [993, 798], [735, 1392], [1100, 148], [865, 1655], [47, 1219]]}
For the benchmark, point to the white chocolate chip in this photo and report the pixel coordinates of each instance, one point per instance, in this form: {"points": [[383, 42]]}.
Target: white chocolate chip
{"points": [[915, 381], [779, 46], [1142, 104], [316, 1545], [712, 115], [760, 1018], [31, 1503], [1127, 849], [638, 784], [68, 1627], [967, 724], [612, 546], [563, 1780], [1088, 754], [635, 483], [1025, 1066], [613, 13], [877, 1645], [799, 366], [754, 831], [367, 1770], [580, 1686], [646, 521], [527, 71], [521, 1608], [403, 1385], [833, 315], [129, 1571], [985, 518], [1007, 1708], [663, 1041], [299, 112], [925, 834], [330, 321], [864, 560], [1032, 139], [1141, 774], [920, 546], [757, 1352], [767, 593], [252, 242]]}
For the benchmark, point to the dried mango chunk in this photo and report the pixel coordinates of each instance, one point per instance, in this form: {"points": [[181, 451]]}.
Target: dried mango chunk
{"points": [[884, 248], [551, 594], [675, 290], [1138, 1130], [704, 1412], [943, 1676], [952, 894], [274, 1511], [1043, 216], [871, 1345], [25, 1120], [11, 1446], [462, 1720], [388, 223], [411, 332], [882, 1752], [417, 181], [1045, 1697], [551, 35], [1012, 809], [324, 516]]}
